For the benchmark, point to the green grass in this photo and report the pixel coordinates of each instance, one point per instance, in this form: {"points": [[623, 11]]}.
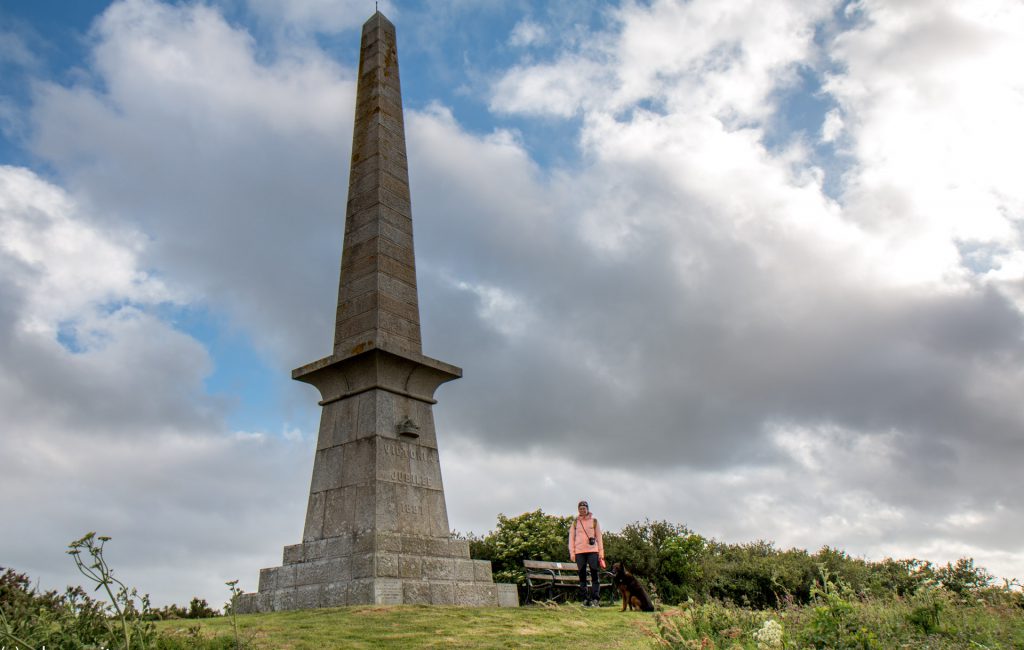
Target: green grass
{"points": [[414, 626], [932, 620]]}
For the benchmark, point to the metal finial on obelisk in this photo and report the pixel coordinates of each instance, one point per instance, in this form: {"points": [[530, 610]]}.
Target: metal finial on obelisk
{"points": [[376, 526]]}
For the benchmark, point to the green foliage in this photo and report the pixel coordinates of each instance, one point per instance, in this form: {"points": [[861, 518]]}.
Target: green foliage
{"points": [[839, 619], [668, 556], [680, 572], [231, 608], [711, 625], [759, 575], [135, 629], [33, 620], [834, 622], [901, 578], [680, 566], [197, 608], [963, 578], [926, 609], [531, 535]]}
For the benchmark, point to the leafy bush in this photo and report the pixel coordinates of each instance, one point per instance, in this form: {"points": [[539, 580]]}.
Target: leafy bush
{"points": [[670, 557], [530, 536], [31, 619], [901, 578], [197, 608], [963, 578], [679, 565]]}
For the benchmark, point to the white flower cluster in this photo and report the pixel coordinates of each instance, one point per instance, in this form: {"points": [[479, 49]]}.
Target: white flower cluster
{"points": [[769, 637]]}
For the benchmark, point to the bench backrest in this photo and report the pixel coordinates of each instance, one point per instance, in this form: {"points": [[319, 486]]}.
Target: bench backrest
{"points": [[553, 566]]}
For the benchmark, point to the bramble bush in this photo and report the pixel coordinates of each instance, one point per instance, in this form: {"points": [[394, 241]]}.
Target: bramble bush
{"points": [[679, 565], [530, 536], [31, 619]]}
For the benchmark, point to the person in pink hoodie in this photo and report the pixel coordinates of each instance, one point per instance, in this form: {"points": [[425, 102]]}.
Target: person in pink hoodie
{"points": [[586, 548]]}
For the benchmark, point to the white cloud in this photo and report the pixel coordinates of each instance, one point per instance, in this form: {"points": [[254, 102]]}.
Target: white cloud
{"points": [[527, 33], [931, 96], [710, 57], [190, 133], [832, 126], [66, 268]]}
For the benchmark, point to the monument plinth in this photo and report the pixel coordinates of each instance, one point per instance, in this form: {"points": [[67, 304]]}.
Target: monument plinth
{"points": [[377, 526]]}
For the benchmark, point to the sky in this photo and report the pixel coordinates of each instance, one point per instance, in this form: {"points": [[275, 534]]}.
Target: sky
{"points": [[753, 267]]}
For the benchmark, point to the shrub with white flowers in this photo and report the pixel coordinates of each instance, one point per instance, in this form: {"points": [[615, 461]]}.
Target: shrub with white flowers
{"points": [[769, 637]]}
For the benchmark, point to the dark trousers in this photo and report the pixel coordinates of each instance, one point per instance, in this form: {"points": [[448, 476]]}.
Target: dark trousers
{"points": [[584, 560]]}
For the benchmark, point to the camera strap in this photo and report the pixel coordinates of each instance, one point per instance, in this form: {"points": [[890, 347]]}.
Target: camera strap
{"points": [[579, 522]]}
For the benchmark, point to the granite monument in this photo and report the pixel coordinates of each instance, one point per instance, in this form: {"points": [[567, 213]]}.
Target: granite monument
{"points": [[376, 528]]}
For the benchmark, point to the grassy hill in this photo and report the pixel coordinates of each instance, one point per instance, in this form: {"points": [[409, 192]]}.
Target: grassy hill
{"points": [[412, 626], [936, 623]]}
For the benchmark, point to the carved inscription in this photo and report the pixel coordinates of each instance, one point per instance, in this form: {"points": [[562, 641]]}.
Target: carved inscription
{"points": [[414, 452], [389, 592], [407, 509], [411, 479]]}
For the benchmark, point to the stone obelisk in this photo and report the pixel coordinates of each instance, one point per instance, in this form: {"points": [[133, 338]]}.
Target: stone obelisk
{"points": [[376, 525]]}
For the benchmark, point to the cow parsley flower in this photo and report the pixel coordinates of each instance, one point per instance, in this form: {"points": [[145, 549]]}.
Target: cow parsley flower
{"points": [[769, 637]]}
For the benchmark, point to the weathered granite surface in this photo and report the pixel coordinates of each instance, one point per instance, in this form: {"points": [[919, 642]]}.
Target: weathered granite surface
{"points": [[376, 526]]}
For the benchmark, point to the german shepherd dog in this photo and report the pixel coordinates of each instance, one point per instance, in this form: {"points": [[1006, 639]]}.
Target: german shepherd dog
{"points": [[633, 593]]}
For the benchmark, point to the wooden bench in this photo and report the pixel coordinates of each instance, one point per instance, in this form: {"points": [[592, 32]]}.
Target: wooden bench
{"points": [[551, 580]]}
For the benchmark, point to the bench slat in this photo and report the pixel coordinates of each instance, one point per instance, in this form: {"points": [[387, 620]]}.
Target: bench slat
{"points": [[556, 566], [547, 576]]}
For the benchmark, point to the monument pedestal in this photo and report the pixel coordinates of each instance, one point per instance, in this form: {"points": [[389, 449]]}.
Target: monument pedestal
{"points": [[376, 527], [377, 568]]}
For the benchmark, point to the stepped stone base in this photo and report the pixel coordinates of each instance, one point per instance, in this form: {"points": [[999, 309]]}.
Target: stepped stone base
{"points": [[377, 568]]}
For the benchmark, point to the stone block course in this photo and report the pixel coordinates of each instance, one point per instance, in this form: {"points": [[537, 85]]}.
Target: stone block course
{"points": [[314, 528], [286, 576], [464, 570], [284, 600], [339, 546], [438, 568], [334, 594], [307, 597], [310, 573], [386, 565], [442, 593], [482, 571], [416, 593], [293, 554], [268, 579], [470, 594], [459, 548], [410, 566]]}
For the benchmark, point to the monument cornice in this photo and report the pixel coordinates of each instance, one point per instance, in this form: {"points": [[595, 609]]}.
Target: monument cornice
{"points": [[404, 373]]}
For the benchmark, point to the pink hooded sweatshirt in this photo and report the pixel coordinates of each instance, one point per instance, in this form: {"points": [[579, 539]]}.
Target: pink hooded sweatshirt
{"points": [[579, 536]]}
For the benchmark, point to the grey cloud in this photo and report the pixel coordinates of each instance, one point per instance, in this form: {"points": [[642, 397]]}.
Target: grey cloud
{"points": [[126, 443]]}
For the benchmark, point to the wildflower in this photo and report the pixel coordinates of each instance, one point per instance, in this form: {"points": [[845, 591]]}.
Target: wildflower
{"points": [[769, 637]]}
